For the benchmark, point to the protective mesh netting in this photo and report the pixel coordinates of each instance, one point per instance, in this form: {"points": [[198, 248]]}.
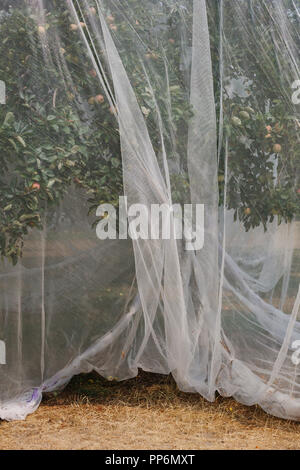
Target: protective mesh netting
{"points": [[171, 101]]}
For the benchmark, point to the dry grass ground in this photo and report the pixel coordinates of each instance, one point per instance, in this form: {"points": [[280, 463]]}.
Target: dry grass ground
{"points": [[144, 413]]}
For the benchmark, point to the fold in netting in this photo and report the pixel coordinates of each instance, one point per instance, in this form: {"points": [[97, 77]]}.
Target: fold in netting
{"points": [[163, 102]]}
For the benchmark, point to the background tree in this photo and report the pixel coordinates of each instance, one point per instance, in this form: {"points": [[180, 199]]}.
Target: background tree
{"points": [[58, 128]]}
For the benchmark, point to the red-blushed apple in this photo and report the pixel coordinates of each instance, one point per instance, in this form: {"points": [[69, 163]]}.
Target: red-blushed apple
{"points": [[99, 99]]}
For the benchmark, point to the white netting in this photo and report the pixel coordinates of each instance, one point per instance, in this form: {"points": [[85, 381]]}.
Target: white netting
{"points": [[172, 101]]}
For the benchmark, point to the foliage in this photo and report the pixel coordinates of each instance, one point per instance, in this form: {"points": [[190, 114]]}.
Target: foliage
{"points": [[54, 137], [260, 120], [61, 129]]}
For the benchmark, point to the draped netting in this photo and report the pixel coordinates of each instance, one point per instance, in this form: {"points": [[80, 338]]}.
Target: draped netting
{"points": [[164, 102]]}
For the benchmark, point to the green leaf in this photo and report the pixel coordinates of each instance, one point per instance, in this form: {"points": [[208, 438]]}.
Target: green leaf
{"points": [[21, 140], [13, 144], [9, 118], [51, 183]]}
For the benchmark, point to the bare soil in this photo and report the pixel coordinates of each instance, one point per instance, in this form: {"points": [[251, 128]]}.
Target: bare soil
{"points": [[148, 412]]}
